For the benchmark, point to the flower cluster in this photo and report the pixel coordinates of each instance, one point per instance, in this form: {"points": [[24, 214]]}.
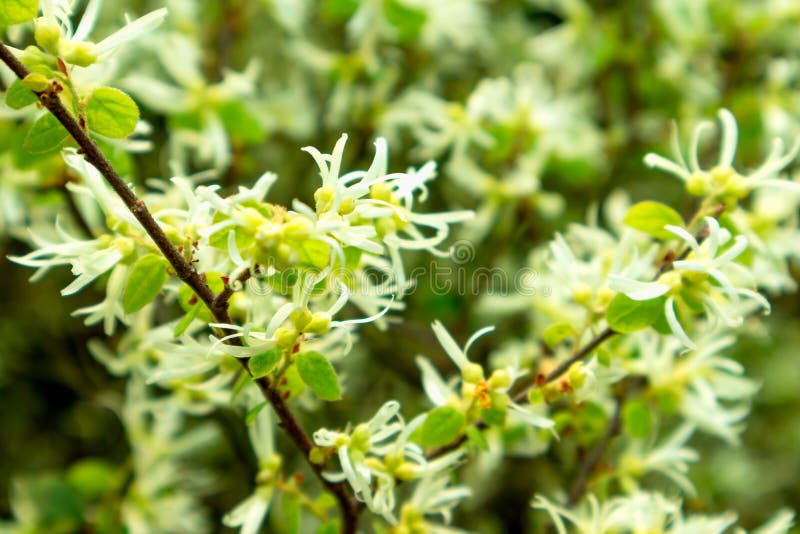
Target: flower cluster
{"points": [[221, 295]]}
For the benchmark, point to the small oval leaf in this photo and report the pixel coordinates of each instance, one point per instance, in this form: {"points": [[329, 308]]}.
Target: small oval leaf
{"points": [[650, 217], [637, 419], [261, 364], [45, 135], [318, 374], [625, 315], [111, 113], [145, 281], [18, 96], [17, 11], [557, 332], [442, 426]]}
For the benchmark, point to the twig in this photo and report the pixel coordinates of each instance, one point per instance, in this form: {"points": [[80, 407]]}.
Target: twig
{"points": [[667, 265], [222, 299], [613, 428], [350, 507], [593, 458]]}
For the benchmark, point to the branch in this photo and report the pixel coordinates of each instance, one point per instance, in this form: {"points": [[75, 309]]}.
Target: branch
{"points": [[348, 504], [666, 265], [613, 428], [591, 460]]}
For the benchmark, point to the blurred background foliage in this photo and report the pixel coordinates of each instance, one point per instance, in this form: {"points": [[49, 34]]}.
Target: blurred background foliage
{"points": [[566, 97]]}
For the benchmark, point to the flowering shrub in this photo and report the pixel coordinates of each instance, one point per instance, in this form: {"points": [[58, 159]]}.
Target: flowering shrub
{"points": [[274, 368]]}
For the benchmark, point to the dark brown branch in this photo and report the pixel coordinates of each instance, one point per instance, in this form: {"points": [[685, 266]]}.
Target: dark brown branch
{"points": [[592, 460], [348, 504], [589, 463], [222, 300]]}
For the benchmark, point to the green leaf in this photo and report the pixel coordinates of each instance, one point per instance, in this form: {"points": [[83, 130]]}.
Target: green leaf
{"points": [[111, 113], [36, 81], [442, 426], [18, 96], [408, 21], [330, 527], [17, 11], [253, 413], [240, 122], [476, 436], [187, 319], [557, 332], [338, 10], [261, 364], [318, 374], [294, 383], [625, 315], [650, 217], [493, 417], [46, 501], [92, 477], [144, 283], [45, 135], [637, 419]]}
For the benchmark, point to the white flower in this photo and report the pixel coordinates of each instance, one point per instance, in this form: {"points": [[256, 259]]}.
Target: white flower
{"points": [[375, 438], [250, 513], [638, 512], [386, 200], [57, 14], [89, 259], [473, 386], [181, 58], [722, 179], [706, 259], [671, 458], [433, 496], [710, 390], [110, 309]]}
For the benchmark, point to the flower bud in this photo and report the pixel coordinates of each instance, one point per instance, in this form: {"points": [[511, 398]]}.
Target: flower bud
{"points": [[582, 293], [81, 54], [381, 191], [500, 401], [325, 196], [406, 471], [374, 464], [47, 34], [699, 184], [285, 338], [33, 57], [472, 373], [300, 318], [320, 323], [500, 379], [359, 439], [347, 206]]}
